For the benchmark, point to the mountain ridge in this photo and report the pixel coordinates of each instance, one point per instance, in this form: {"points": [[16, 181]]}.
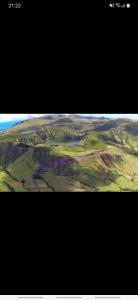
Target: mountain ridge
{"points": [[70, 117], [61, 153]]}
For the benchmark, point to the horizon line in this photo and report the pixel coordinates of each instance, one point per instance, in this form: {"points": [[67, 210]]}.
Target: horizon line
{"points": [[20, 117]]}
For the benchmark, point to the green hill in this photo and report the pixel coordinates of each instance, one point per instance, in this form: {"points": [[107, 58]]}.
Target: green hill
{"points": [[60, 153]]}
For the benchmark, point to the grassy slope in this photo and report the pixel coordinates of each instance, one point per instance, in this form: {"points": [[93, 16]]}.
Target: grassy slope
{"points": [[24, 168], [8, 184], [112, 167]]}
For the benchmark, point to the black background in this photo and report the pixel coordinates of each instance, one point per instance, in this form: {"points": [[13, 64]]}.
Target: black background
{"points": [[68, 244]]}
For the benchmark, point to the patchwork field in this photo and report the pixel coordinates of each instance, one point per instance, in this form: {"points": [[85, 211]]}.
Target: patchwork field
{"points": [[69, 154]]}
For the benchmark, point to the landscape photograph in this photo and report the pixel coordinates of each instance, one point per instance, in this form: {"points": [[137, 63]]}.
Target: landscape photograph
{"points": [[68, 152]]}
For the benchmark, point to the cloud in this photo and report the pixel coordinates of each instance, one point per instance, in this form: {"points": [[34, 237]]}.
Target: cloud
{"points": [[115, 116], [18, 117], [14, 117]]}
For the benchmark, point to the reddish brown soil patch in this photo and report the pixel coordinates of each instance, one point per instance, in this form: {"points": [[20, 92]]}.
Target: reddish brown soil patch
{"points": [[97, 154]]}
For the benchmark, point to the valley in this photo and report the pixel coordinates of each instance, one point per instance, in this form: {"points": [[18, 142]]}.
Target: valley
{"points": [[60, 153]]}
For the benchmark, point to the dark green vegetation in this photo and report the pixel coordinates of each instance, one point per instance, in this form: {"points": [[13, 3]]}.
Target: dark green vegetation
{"points": [[69, 153]]}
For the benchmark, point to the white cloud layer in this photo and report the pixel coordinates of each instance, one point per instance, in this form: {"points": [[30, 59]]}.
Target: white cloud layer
{"points": [[16, 117], [116, 116]]}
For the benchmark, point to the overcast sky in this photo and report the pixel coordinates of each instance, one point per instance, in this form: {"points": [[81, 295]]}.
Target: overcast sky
{"points": [[16, 117]]}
